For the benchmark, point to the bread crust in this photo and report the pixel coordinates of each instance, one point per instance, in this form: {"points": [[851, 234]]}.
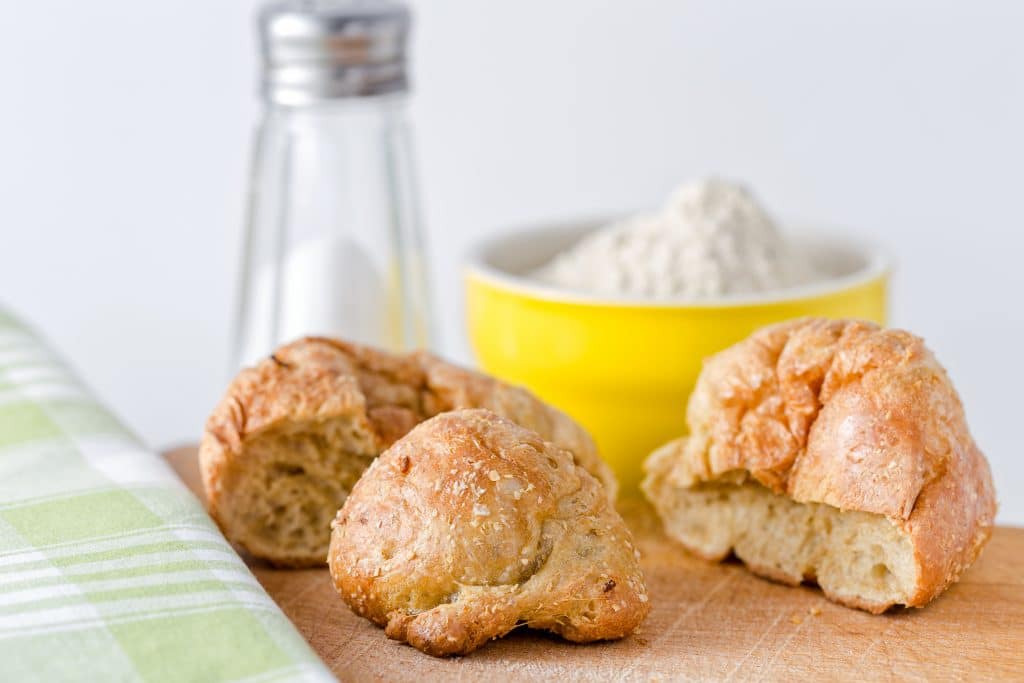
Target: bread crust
{"points": [[382, 395], [471, 525], [846, 414]]}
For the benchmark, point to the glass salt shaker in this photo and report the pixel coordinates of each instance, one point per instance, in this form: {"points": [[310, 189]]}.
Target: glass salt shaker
{"points": [[333, 244]]}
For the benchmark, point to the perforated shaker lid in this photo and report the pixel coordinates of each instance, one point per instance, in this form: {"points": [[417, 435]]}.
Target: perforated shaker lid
{"points": [[316, 50]]}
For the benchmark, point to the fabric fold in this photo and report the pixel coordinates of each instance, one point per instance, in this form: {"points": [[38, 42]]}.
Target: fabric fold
{"points": [[110, 569]]}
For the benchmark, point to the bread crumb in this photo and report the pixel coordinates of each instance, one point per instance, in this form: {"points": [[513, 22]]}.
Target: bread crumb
{"points": [[493, 475], [796, 619], [815, 611]]}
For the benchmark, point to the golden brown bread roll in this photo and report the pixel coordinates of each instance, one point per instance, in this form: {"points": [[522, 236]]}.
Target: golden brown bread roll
{"points": [[832, 451], [471, 525], [293, 434]]}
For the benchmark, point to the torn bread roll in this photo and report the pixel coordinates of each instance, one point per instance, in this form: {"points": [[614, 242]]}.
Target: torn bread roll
{"points": [[829, 451], [293, 434], [471, 525]]}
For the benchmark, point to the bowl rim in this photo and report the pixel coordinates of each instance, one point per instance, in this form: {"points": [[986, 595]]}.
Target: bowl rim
{"points": [[879, 264]]}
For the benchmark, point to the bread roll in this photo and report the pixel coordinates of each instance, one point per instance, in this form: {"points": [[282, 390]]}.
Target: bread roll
{"points": [[293, 434], [829, 451], [471, 525]]}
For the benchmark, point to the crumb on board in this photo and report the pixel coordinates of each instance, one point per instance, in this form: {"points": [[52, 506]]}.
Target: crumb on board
{"points": [[814, 611], [796, 619]]}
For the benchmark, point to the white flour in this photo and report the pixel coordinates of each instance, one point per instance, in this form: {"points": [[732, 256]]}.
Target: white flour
{"points": [[711, 239]]}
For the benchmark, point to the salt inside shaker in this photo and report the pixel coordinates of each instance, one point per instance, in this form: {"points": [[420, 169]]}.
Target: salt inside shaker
{"points": [[333, 242]]}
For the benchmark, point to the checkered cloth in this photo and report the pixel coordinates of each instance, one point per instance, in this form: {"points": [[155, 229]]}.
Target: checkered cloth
{"points": [[110, 570]]}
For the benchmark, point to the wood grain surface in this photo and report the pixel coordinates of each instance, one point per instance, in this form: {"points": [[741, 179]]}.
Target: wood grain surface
{"points": [[708, 622]]}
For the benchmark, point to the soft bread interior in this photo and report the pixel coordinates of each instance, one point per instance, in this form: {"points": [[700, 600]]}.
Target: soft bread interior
{"points": [[857, 557], [292, 481]]}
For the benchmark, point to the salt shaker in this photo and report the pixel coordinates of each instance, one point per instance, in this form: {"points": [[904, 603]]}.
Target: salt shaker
{"points": [[333, 243]]}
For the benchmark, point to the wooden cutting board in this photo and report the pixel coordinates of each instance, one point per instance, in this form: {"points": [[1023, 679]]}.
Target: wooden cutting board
{"points": [[707, 622]]}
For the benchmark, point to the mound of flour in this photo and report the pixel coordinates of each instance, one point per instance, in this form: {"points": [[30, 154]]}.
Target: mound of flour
{"points": [[711, 239]]}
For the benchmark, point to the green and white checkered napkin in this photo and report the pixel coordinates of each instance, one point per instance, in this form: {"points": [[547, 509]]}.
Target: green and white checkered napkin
{"points": [[110, 570]]}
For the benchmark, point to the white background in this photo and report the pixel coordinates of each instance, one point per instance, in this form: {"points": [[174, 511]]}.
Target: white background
{"points": [[125, 128]]}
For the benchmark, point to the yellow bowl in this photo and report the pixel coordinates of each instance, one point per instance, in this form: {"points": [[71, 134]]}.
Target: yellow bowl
{"points": [[624, 367]]}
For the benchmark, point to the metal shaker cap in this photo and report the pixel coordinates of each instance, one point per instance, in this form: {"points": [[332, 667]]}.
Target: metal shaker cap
{"points": [[315, 50]]}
